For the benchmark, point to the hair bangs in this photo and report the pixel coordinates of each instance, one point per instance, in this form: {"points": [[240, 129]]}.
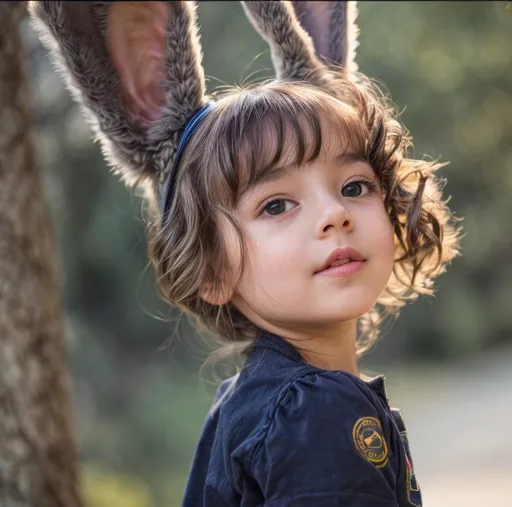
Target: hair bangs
{"points": [[276, 127]]}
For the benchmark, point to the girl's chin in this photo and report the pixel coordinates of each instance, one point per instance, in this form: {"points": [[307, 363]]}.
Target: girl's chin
{"points": [[324, 309]]}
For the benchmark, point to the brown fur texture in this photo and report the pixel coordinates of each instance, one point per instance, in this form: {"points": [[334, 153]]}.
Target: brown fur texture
{"points": [[306, 37], [332, 27], [292, 50], [76, 35]]}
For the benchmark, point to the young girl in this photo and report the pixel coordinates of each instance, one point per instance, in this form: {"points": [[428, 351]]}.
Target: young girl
{"points": [[285, 218]]}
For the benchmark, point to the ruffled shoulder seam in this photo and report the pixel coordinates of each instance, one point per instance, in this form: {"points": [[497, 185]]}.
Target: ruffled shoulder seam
{"points": [[304, 372]]}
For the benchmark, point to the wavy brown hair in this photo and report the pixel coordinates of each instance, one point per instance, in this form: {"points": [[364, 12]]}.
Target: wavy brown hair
{"points": [[230, 152]]}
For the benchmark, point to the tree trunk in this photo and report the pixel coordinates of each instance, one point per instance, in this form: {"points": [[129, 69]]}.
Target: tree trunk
{"points": [[38, 457]]}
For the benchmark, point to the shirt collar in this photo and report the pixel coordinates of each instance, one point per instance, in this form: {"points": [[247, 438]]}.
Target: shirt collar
{"points": [[266, 340]]}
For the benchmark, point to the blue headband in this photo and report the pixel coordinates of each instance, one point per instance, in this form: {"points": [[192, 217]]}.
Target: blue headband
{"points": [[166, 189]]}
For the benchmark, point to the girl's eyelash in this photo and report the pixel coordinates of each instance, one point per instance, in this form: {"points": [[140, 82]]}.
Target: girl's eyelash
{"points": [[372, 185], [261, 213]]}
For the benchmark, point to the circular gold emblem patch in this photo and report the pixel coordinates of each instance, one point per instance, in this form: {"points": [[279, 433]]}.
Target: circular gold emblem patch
{"points": [[369, 440]]}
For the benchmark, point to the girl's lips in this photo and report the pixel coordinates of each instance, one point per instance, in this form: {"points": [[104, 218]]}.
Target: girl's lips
{"points": [[341, 256], [346, 269]]}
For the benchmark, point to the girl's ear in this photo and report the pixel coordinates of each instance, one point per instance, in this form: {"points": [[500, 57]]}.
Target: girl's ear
{"points": [[306, 35], [216, 297], [135, 69]]}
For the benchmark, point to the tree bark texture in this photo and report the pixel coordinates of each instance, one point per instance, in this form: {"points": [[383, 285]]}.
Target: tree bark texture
{"points": [[38, 456]]}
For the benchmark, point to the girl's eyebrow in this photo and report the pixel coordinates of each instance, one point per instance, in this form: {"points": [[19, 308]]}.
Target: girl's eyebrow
{"points": [[275, 173], [267, 176], [351, 157]]}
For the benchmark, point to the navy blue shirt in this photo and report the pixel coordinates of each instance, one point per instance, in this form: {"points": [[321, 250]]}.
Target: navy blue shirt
{"points": [[283, 433]]}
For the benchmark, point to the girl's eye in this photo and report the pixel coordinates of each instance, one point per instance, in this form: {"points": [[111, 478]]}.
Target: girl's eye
{"points": [[356, 189], [276, 207]]}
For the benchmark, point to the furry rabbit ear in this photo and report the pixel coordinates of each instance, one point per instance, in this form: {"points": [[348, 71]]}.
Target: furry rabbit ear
{"points": [[332, 26], [291, 48], [325, 35], [135, 69]]}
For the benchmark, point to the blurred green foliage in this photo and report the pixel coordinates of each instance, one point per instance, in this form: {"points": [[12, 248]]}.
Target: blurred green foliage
{"points": [[104, 489], [140, 404]]}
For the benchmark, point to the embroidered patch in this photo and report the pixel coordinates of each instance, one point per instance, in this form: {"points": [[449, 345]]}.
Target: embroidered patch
{"points": [[370, 442]]}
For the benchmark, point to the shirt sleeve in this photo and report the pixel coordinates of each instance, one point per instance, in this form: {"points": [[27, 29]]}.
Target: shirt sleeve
{"points": [[324, 447]]}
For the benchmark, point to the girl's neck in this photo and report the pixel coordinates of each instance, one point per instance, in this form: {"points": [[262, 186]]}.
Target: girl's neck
{"points": [[333, 349], [332, 352]]}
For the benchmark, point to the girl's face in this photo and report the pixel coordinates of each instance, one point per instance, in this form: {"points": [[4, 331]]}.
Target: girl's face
{"points": [[292, 224]]}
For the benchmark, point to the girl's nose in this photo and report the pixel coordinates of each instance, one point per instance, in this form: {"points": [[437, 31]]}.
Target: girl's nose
{"points": [[335, 217]]}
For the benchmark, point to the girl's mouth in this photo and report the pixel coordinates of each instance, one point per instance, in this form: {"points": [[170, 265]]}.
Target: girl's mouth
{"points": [[342, 261], [346, 268]]}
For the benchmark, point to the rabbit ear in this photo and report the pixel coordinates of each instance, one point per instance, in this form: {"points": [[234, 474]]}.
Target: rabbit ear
{"points": [[135, 69], [291, 47], [324, 36], [332, 26]]}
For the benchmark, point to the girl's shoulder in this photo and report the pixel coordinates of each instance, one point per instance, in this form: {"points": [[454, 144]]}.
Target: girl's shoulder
{"points": [[275, 376], [303, 423], [313, 394], [258, 404], [302, 431]]}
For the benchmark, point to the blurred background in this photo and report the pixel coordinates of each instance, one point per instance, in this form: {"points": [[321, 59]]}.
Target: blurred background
{"points": [[139, 390]]}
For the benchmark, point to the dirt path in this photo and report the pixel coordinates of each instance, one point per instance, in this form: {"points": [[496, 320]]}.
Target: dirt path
{"points": [[460, 428]]}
